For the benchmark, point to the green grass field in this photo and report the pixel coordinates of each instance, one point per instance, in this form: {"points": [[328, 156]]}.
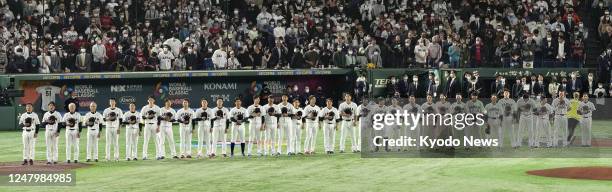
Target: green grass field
{"points": [[338, 172]]}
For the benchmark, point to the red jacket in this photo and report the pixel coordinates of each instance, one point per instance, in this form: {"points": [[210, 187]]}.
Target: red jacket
{"points": [[111, 52]]}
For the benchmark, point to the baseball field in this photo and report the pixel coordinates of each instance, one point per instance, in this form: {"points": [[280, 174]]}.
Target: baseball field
{"points": [[320, 172]]}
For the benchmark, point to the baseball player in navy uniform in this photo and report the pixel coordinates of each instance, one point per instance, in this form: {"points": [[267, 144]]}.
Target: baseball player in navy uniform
{"points": [[29, 124], [51, 122], [131, 119], [91, 122], [112, 119], [72, 122]]}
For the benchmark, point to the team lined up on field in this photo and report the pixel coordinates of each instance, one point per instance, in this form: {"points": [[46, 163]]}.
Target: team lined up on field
{"points": [[270, 126], [531, 115]]}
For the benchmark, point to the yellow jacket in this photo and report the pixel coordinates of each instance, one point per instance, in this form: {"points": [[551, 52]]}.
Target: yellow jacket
{"points": [[573, 110]]}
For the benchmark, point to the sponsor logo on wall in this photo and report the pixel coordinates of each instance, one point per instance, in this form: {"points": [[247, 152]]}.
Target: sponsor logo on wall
{"points": [[125, 88]]}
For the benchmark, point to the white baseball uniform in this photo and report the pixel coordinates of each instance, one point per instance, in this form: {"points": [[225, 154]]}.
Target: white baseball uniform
{"points": [[112, 125], [586, 110], [284, 127], [311, 114], [271, 127], [296, 145], [219, 123], [347, 124], [51, 120], [255, 125], [72, 134], [92, 121], [132, 130], [149, 118], [165, 131], [560, 121], [329, 126], [29, 122], [185, 117], [204, 129]]}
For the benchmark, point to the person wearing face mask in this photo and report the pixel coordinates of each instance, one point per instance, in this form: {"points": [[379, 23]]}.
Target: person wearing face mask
{"points": [[98, 52], [413, 87], [600, 94], [165, 59], [84, 60], [339, 58], [403, 85], [574, 84], [421, 52], [590, 84], [540, 87], [452, 85]]}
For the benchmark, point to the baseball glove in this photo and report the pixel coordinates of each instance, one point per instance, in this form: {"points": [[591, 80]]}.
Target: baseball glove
{"points": [[271, 111], [508, 110], [458, 109], [298, 115], [150, 114], [90, 122], [186, 119], [585, 109], [112, 116], [71, 122], [219, 113], [313, 115], [27, 122], [204, 115], [284, 111], [51, 120], [443, 110], [331, 115], [168, 116], [132, 119], [348, 111], [364, 112], [257, 110]]}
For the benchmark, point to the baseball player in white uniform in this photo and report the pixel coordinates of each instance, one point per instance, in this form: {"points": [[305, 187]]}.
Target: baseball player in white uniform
{"points": [[586, 108], [363, 112], [219, 123], [508, 119], [149, 114], [329, 115], [298, 114], [202, 116], [393, 130], [526, 106], [347, 111], [91, 122], [185, 117], [414, 109], [165, 59], [72, 121], [238, 118], [256, 134], [51, 121], [270, 125], [494, 114], [311, 116], [166, 118], [561, 105], [131, 120], [112, 118], [29, 124], [285, 127], [544, 132]]}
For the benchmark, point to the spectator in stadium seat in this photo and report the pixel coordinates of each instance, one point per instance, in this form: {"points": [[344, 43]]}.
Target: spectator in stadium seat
{"points": [[98, 52], [83, 61]]}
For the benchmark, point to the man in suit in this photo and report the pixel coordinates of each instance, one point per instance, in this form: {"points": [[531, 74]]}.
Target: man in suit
{"points": [[403, 86], [414, 86], [432, 86], [540, 88], [575, 85], [452, 86], [279, 56], [498, 86], [83, 61]]}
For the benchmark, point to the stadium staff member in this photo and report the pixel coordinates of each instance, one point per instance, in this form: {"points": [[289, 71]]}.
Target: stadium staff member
{"points": [[573, 118], [29, 124], [51, 123]]}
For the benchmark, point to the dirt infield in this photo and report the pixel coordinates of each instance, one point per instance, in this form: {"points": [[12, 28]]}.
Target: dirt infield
{"points": [[39, 166], [598, 142], [592, 173]]}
